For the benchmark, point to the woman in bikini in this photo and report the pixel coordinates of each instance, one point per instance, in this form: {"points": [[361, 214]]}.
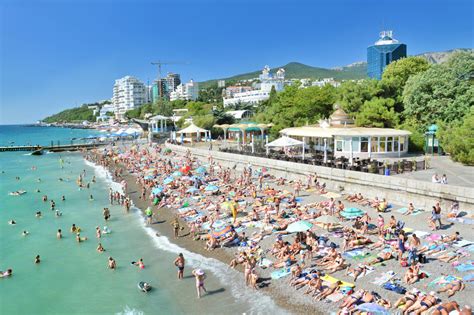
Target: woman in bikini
{"points": [[453, 287], [424, 304], [407, 300]]}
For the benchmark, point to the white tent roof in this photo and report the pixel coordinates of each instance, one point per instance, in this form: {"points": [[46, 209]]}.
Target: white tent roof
{"points": [[192, 128], [284, 142], [319, 132], [159, 117]]}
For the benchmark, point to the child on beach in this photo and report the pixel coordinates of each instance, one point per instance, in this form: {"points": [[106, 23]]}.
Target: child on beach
{"points": [[200, 277]]}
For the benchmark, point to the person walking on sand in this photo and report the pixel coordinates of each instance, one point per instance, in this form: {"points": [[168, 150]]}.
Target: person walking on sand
{"points": [[200, 277], [179, 262], [175, 225]]}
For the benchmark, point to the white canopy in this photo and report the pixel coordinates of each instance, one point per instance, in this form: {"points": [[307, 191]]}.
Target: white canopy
{"points": [[159, 117], [284, 142], [132, 131], [192, 128]]}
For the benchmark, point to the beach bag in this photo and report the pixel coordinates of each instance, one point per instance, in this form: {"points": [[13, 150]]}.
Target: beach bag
{"points": [[404, 262], [422, 259]]}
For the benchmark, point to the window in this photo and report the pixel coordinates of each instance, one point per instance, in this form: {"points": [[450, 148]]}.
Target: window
{"points": [[364, 144], [382, 144], [374, 147], [347, 144], [395, 144], [339, 143], [389, 144], [355, 144], [402, 144]]}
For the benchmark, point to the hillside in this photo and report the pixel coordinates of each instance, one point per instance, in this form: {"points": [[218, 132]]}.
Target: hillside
{"points": [[354, 71]]}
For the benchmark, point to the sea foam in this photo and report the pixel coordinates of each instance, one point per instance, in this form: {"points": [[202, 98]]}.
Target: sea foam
{"points": [[259, 302]]}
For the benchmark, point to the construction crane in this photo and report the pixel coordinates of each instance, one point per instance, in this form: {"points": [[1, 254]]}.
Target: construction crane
{"points": [[160, 63]]}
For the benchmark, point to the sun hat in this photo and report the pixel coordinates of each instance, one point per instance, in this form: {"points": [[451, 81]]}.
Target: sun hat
{"points": [[199, 272]]}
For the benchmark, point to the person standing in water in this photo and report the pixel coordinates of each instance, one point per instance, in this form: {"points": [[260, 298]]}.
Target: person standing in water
{"points": [[106, 214], [200, 277], [112, 264], [179, 262], [59, 234], [37, 259]]}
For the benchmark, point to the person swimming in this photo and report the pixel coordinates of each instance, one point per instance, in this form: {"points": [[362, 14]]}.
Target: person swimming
{"points": [[139, 263], [59, 234], [80, 239], [37, 259], [25, 233], [112, 264], [73, 228], [58, 213], [12, 222], [100, 248], [91, 198], [7, 273], [63, 198], [38, 214]]}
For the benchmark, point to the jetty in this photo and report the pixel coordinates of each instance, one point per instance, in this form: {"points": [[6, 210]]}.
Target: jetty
{"points": [[52, 148]]}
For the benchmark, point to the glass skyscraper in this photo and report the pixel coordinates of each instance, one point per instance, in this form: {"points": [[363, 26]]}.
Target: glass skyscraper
{"points": [[383, 52]]}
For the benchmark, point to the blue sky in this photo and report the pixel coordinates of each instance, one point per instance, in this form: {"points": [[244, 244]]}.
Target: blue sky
{"points": [[60, 53]]}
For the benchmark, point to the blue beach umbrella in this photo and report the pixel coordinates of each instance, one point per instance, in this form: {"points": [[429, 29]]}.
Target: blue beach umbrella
{"points": [[201, 170], [168, 180], [148, 177], [157, 190], [192, 190], [177, 174], [352, 213], [299, 226], [373, 308], [211, 188]]}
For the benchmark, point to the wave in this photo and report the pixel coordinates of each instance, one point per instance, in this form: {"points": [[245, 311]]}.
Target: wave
{"points": [[130, 311], [259, 302]]}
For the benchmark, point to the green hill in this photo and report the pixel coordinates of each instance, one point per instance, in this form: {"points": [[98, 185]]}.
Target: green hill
{"points": [[296, 70]]}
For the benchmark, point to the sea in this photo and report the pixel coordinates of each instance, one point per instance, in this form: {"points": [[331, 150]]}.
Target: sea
{"points": [[73, 278]]}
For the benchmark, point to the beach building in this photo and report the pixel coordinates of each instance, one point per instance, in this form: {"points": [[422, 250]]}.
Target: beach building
{"points": [[339, 137], [187, 91], [382, 53], [104, 111], [128, 93], [255, 96], [326, 81], [230, 91]]}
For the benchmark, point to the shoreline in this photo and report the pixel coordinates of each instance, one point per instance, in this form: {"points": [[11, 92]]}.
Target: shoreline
{"points": [[162, 227]]}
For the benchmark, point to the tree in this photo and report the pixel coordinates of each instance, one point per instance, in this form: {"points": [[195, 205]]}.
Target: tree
{"points": [[458, 139], [205, 121], [398, 72], [441, 93], [352, 95], [378, 112]]}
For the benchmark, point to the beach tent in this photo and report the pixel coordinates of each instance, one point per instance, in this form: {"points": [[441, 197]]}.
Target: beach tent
{"points": [[284, 142], [211, 188], [299, 226], [192, 129], [352, 213]]}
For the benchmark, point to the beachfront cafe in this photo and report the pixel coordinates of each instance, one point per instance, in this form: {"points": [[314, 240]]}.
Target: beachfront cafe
{"points": [[338, 138], [159, 124], [244, 133], [193, 133]]}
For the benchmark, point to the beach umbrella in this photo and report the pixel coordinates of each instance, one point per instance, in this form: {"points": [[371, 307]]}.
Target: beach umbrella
{"points": [[148, 177], [167, 150], [177, 174], [326, 219], [157, 190], [201, 170], [373, 308], [211, 188], [299, 226], [192, 190], [352, 213], [168, 180], [225, 205], [185, 169], [222, 232]]}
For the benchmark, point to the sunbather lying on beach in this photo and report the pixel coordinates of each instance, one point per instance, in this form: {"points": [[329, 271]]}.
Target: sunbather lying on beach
{"points": [[452, 288], [412, 275], [357, 271], [407, 300], [330, 289], [381, 257], [423, 303]]}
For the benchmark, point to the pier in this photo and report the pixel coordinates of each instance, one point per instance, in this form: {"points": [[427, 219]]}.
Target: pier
{"points": [[52, 148]]}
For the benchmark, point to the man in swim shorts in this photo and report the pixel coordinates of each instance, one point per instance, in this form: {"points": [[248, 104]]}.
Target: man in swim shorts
{"points": [[179, 262]]}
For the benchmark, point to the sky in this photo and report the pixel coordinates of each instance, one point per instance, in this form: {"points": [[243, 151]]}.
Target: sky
{"points": [[58, 54]]}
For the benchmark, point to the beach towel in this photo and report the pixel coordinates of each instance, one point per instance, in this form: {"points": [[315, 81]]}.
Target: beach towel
{"points": [[462, 243], [353, 253], [468, 278], [465, 267], [415, 212], [442, 280], [433, 237], [265, 263], [331, 279], [470, 248], [369, 270], [461, 220], [384, 277], [407, 230], [335, 297], [280, 273], [421, 234]]}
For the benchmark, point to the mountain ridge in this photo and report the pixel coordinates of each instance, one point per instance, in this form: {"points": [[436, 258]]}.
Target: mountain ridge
{"points": [[354, 71]]}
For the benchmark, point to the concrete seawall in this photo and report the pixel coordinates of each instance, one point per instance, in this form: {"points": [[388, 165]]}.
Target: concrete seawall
{"points": [[395, 189]]}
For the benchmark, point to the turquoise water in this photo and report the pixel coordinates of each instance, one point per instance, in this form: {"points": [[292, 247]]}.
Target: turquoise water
{"points": [[73, 278]]}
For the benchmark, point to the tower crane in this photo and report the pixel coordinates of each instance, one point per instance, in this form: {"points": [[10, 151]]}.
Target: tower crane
{"points": [[160, 63]]}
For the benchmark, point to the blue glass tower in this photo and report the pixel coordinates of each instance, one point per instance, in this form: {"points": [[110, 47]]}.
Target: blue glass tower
{"points": [[383, 52]]}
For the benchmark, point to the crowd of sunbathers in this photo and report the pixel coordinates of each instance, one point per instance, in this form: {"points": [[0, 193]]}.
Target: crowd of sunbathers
{"points": [[220, 203]]}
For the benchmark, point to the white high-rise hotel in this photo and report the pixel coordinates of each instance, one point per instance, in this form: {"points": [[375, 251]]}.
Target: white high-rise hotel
{"points": [[185, 91], [129, 93]]}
